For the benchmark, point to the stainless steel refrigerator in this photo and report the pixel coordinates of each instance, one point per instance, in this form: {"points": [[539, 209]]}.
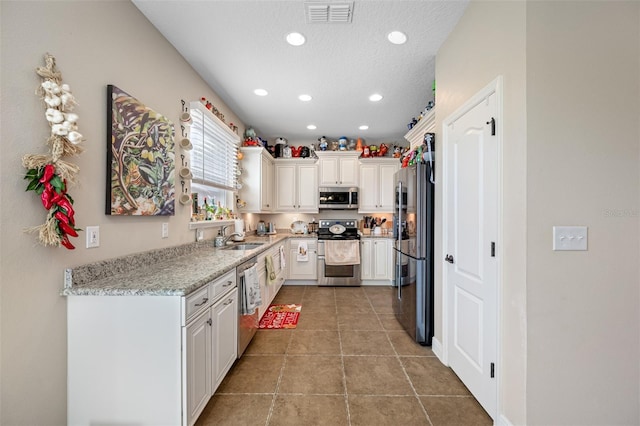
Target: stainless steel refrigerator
{"points": [[413, 249]]}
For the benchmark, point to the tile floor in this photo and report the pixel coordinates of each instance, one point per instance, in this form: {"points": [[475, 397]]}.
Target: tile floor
{"points": [[348, 362]]}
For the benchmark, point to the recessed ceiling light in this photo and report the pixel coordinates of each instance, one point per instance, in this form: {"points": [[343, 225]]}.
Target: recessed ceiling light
{"points": [[305, 98], [363, 127], [261, 92], [397, 37], [375, 97], [311, 127], [295, 39]]}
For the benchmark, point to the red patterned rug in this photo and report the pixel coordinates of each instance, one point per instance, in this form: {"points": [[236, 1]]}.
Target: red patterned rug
{"points": [[281, 316]]}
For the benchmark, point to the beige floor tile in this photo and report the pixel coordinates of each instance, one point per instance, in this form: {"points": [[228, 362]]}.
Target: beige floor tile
{"points": [[349, 292], [315, 374], [360, 306], [318, 292], [454, 411], [405, 345], [430, 377], [386, 410], [383, 308], [289, 294], [314, 342], [253, 374], [309, 410], [236, 410], [373, 375], [358, 321], [269, 342], [389, 322], [317, 321], [319, 305], [365, 343]]}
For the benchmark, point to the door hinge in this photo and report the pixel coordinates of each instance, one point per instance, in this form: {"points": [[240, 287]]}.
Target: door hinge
{"points": [[493, 126], [493, 370], [493, 249]]}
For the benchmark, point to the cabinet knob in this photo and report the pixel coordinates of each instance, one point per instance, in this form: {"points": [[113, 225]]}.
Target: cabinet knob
{"points": [[209, 321]]}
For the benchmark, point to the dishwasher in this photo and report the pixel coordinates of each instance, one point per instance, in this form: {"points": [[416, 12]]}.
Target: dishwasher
{"points": [[247, 323]]}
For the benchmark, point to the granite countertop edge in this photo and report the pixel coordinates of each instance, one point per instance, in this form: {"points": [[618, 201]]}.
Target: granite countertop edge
{"points": [[171, 271]]}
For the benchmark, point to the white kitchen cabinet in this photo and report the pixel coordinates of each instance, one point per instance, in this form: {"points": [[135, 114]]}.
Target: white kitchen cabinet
{"points": [[377, 185], [376, 259], [296, 184], [269, 291], [149, 360], [303, 269], [224, 339], [256, 180], [338, 168]]}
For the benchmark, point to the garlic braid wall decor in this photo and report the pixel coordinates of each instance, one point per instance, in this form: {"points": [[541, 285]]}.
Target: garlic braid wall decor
{"points": [[49, 174]]}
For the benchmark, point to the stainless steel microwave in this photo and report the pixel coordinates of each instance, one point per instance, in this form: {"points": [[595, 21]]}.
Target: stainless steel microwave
{"points": [[338, 198]]}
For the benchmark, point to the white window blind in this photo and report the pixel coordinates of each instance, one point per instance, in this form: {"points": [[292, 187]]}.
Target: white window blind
{"points": [[214, 158]]}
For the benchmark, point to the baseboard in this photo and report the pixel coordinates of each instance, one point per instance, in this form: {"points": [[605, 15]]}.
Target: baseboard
{"points": [[503, 421], [436, 347], [381, 283]]}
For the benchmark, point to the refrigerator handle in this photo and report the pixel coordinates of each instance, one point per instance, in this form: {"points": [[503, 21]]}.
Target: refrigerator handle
{"points": [[399, 240]]}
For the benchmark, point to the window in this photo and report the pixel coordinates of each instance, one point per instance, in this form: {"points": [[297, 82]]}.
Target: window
{"points": [[214, 160]]}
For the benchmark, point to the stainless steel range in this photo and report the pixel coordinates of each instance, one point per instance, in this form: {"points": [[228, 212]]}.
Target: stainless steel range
{"points": [[338, 263]]}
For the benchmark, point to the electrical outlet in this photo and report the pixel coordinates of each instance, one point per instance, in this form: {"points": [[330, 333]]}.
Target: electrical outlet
{"points": [[93, 236], [570, 238], [165, 230], [199, 234]]}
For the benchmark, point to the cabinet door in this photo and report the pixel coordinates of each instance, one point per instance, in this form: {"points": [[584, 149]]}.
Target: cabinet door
{"points": [[386, 188], [382, 260], [369, 188], [285, 182], [264, 291], [329, 171], [225, 336], [299, 270], [366, 260], [307, 188], [266, 185], [349, 171], [198, 354]]}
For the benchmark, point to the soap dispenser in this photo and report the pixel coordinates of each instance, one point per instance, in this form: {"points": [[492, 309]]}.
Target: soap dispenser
{"points": [[219, 240]]}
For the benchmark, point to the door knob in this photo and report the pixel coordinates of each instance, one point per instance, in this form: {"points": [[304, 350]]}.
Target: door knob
{"points": [[448, 258]]}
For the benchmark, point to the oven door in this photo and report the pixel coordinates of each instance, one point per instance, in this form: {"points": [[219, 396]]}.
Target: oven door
{"points": [[336, 275]]}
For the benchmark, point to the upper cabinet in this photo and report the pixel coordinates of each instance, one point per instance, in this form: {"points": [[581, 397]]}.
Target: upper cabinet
{"points": [[377, 185], [257, 181], [427, 124], [296, 183], [338, 168]]}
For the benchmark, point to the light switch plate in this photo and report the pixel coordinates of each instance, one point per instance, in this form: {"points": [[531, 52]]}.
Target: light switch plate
{"points": [[93, 236], [165, 230], [570, 238], [199, 234]]}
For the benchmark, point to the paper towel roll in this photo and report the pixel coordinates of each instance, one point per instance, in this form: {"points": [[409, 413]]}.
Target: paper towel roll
{"points": [[238, 228]]}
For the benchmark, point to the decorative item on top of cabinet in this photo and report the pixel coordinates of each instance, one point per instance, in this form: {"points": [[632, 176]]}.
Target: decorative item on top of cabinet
{"points": [[415, 136]]}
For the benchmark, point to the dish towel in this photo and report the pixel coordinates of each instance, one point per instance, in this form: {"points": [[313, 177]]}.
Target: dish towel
{"points": [[252, 298], [271, 273], [342, 252], [283, 262], [303, 252]]}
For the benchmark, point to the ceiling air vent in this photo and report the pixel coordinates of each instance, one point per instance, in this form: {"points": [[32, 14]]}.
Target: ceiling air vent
{"points": [[334, 12]]}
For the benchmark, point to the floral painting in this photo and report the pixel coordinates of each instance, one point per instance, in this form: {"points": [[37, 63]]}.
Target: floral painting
{"points": [[140, 158]]}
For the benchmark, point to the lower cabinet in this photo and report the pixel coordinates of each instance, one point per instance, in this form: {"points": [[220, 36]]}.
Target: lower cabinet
{"points": [[301, 268], [268, 290], [376, 261], [149, 360]]}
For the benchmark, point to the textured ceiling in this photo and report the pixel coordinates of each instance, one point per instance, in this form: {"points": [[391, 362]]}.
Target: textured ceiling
{"points": [[238, 46]]}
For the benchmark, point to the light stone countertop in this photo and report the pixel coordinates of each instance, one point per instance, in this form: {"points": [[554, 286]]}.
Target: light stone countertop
{"points": [[173, 271]]}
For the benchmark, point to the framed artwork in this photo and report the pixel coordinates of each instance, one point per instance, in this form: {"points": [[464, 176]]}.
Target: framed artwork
{"points": [[140, 158]]}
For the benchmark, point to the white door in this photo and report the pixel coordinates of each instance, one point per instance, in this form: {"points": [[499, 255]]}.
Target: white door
{"points": [[471, 216]]}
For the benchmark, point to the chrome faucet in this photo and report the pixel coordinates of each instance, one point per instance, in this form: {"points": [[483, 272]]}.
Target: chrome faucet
{"points": [[228, 237]]}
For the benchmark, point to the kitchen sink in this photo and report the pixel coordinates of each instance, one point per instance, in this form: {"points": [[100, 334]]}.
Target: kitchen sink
{"points": [[247, 246]]}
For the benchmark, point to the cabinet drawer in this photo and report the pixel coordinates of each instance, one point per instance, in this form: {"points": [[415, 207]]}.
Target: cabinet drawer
{"points": [[197, 301], [223, 284]]}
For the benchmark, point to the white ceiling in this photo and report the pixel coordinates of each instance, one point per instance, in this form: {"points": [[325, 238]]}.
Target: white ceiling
{"points": [[239, 45]]}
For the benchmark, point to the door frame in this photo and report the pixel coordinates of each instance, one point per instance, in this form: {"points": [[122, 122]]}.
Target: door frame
{"points": [[496, 86]]}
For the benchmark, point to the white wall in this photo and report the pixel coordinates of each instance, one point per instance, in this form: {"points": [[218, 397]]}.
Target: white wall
{"points": [[570, 320], [96, 43], [489, 41], [583, 137]]}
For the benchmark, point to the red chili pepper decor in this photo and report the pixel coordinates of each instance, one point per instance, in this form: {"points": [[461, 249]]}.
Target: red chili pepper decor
{"points": [[48, 174]]}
